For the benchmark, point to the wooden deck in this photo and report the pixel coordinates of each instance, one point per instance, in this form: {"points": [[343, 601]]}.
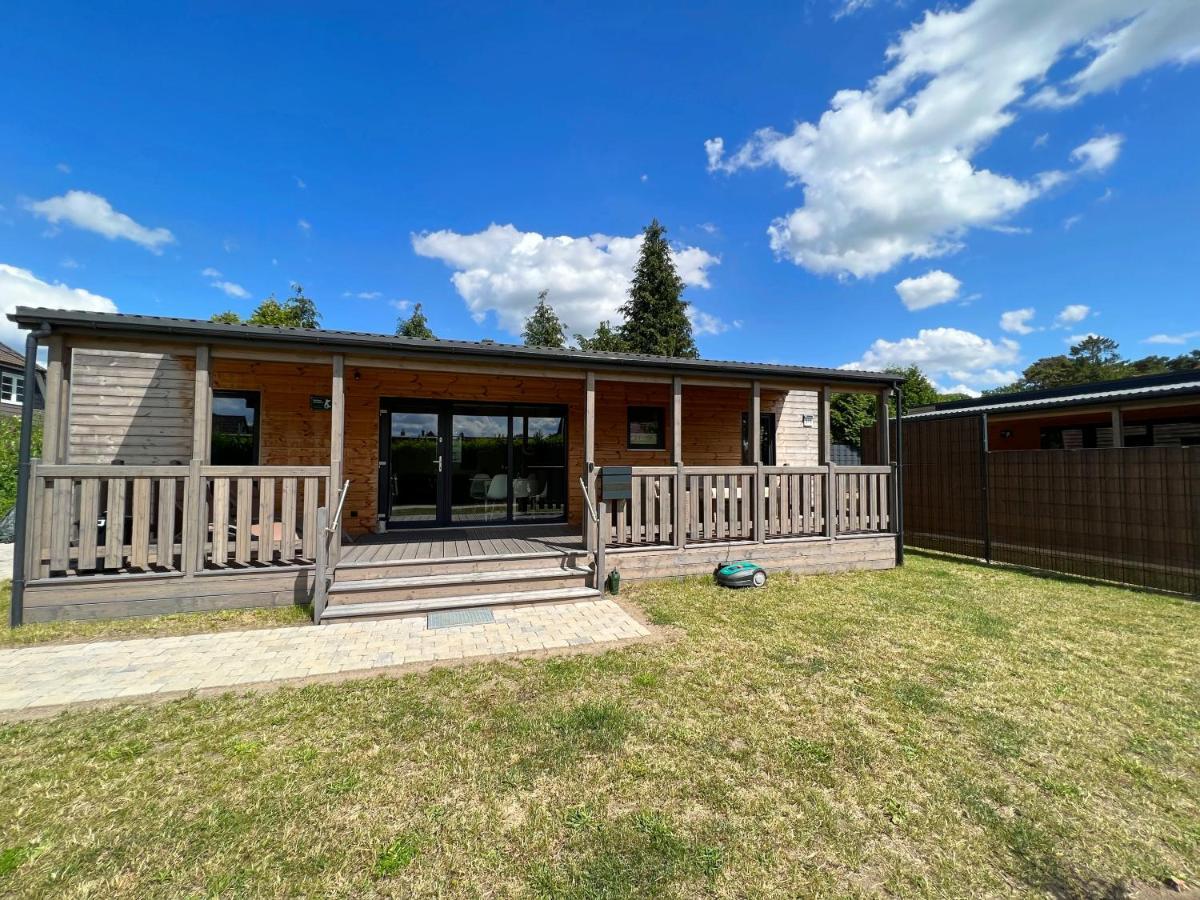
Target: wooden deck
{"points": [[452, 543]]}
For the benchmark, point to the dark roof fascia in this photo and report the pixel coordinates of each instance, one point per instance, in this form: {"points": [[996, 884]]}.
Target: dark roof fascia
{"points": [[1048, 404], [117, 324], [1096, 387]]}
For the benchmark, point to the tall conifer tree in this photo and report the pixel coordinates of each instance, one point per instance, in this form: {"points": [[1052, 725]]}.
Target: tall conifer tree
{"points": [[656, 320]]}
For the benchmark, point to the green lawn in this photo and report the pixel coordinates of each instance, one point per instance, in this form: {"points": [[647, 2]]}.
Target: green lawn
{"points": [[940, 730]]}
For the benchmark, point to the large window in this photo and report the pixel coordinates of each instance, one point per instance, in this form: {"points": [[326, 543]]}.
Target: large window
{"points": [[12, 387], [646, 431], [766, 437], [235, 423]]}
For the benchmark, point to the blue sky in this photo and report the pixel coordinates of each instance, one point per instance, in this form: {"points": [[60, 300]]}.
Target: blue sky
{"points": [[983, 159]]}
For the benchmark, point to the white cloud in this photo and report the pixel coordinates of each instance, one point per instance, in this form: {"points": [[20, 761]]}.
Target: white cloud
{"points": [[1183, 338], [1041, 140], [850, 7], [68, 262], [958, 389], [91, 212], [369, 295], [210, 272], [501, 270], [1071, 221], [401, 305], [946, 353], [645, 178], [932, 288], [707, 323], [232, 289], [300, 183], [64, 168], [20, 287], [1076, 338], [888, 171], [1072, 314], [304, 225], [1016, 321], [1099, 153], [229, 245], [709, 228]]}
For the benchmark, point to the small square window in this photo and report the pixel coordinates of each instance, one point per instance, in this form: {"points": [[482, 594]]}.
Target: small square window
{"points": [[235, 422], [12, 387], [646, 430]]}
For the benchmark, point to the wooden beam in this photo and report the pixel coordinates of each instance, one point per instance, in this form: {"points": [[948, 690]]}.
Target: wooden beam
{"points": [[589, 457], [1118, 428], [755, 424], [760, 483], [55, 406], [337, 440], [202, 406], [677, 421], [824, 437], [883, 439]]}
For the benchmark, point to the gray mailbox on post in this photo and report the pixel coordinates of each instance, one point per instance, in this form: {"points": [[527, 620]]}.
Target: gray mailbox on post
{"points": [[616, 483]]}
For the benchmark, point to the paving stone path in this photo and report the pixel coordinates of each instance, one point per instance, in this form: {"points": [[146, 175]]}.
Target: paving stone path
{"points": [[63, 674]]}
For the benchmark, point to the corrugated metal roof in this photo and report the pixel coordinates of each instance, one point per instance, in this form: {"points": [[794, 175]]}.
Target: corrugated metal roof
{"points": [[1082, 398], [349, 340]]}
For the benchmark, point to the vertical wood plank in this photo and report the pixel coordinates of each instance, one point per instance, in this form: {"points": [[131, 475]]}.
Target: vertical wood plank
{"points": [[89, 514], [220, 521], [114, 525], [202, 406], [311, 500], [287, 543], [693, 526], [635, 510], [665, 483], [61, 518], [34, 529], [55, 403], [266, 520], [165, 549], [720, 488], [337, 440], [245, 496], [785, 504], [139, 555], [622, 507]]}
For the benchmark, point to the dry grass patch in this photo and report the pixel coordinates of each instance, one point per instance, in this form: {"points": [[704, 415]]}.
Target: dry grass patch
{"points": [[941, 730]]}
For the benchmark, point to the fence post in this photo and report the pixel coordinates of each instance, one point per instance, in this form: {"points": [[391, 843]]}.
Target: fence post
{"points": [[601, 540], [33, 524], [320, 586], [191, 558], [831, 510], [984, 499]]}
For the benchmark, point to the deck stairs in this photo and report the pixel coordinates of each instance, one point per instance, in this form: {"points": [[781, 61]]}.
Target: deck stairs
{"points": [[399, 587]]}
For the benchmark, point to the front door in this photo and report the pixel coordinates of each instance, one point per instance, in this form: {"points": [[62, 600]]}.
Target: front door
{"points": [[476, 464]]}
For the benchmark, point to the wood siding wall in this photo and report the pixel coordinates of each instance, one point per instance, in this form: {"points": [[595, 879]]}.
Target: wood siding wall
{"points": [[795, 444], [134, 408]]}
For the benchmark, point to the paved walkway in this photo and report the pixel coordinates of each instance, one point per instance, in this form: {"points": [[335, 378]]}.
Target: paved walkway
{"points": [[56, 675]]}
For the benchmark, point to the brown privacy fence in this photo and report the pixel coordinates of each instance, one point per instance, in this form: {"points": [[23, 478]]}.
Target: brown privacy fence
{"points": [[1129, 515]]}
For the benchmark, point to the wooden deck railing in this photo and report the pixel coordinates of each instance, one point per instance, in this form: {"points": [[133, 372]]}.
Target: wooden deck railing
{"points": [[683, 506], [90, 519]]}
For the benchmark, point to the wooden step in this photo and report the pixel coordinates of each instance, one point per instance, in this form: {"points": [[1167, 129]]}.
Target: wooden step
{"points": [[453, 584], [357, 612], [402, 568]]}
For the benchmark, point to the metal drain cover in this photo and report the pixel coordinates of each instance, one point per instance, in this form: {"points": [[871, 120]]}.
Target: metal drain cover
{"points": [[448, 618]]}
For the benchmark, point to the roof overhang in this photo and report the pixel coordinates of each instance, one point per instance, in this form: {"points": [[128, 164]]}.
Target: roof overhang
{"points": [[198, 331]]}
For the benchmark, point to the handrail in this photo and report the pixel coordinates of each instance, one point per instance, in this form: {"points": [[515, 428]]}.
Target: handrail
{"points": [[337, 516], [588, 497]]}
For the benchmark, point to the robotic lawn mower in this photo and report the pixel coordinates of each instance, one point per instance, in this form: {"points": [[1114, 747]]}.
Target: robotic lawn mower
{"points": [[740, 574]]}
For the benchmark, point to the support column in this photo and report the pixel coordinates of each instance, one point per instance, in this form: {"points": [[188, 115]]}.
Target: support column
{"points": [[589, 461], [760, 485], [882, 437], [680, 529], [824, 439], [1118, 428], [195, 526], [337, 433], [52, 428]]}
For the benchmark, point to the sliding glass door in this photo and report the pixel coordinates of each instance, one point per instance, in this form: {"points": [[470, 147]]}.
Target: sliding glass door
{"points": [[457, 464]]}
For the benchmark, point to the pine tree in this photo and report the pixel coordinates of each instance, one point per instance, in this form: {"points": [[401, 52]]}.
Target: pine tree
{"points": [[606, 339], [656, 320], [415, 326], [543, 328]]}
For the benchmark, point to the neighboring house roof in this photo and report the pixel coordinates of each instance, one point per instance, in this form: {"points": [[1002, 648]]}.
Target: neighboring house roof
{"points": [[355, 340], [11, 357], [1146, 387]]}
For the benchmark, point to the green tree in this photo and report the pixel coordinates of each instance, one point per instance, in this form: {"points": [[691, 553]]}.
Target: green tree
{"points": [[543, 328], [10, 460], [1184, 362], [1096, 358], [415, 326], [297, 311], [656, 321], [605, 339]]}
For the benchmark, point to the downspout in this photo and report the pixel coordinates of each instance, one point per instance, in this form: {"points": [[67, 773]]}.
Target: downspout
{"points": [[899, 475], [17, 609]]}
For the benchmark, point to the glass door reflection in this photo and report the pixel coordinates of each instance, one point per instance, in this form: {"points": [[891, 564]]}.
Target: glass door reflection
{"points": [[539, 446], [479, 482], [414, 467]]}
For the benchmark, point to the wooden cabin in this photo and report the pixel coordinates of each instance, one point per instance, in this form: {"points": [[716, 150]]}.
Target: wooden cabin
{"points": [[189, 465]]}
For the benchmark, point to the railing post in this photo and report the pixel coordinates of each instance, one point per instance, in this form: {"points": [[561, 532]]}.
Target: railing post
{"points": [[831, 509], [681, 524], [760, 502], [191, 558], [320, 585], [33, 524], [601, 540]]}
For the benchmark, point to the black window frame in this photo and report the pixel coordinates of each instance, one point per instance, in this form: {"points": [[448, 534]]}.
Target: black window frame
{"points": [[642, 414], [253, 400], [765, 420]]}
